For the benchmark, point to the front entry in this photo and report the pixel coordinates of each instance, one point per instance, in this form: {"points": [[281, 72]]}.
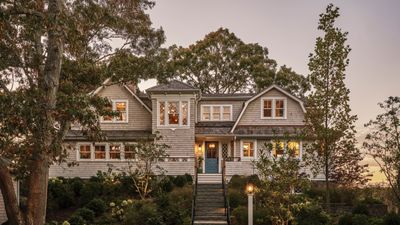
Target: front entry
{"points": [[211, 157]]}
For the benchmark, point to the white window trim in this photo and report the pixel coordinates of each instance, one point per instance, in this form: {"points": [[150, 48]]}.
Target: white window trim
{"points": [[166, 124], [78, 152], [211, 112], [285, 148], [246, 158], [107, 145], [273, 108], [113, 105]]}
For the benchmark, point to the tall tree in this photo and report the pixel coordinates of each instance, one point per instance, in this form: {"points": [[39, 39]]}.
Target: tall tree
{"points": [[329, 123], [221, 63], [383, 143], [52, 54]]}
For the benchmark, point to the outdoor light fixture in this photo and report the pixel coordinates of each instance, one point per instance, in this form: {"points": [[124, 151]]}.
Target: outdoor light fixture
{"points": [[211, 145], [250, 193]]}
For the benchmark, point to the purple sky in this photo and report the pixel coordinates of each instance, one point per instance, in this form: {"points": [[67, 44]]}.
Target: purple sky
{"points": [[289, 28]]}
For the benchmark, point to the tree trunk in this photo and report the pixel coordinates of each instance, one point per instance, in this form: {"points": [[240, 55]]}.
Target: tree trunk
{"points": [[13, 212], [37, 196]]}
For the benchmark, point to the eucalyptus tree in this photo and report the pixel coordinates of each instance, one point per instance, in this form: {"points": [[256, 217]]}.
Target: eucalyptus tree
{"points": [[329, 122], [52, 54]]}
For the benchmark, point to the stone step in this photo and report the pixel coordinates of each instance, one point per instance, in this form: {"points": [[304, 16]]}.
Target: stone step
{"points": [[210, 222], [210, 209], [208, 218]]}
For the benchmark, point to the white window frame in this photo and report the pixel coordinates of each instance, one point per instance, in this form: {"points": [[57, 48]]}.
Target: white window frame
{"points": [[107, 147], [114, 108], [221, 106], [246, 158], [285, 144], [273, 116], [166, 120]]}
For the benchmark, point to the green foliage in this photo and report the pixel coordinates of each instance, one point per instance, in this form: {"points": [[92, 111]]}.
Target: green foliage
{"points": [[86, 214], [142, 213], [383, 143], [392, 219], [61, 193], [311, 214], [76, 185], [180, 180], [97, 205], [91, 190], [236, 198], [76, 220], [261, 216], [360, 208]]}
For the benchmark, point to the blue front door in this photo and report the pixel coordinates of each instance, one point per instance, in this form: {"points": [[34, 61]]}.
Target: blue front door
{"points": [[211, 159]]}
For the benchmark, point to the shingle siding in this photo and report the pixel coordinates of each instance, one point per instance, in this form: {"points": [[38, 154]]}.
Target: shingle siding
{"points": [[139, 118], [252, 115]]}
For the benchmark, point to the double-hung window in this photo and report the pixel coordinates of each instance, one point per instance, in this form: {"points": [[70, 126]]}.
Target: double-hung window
{"points": [[248, 149], [85, 152], [173, 113], [279, 148], [273, 108], [216, 112], [119, 106], [115, 152]]}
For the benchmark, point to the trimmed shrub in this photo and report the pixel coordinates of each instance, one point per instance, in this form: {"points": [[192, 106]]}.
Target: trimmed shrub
{"points": [[312, 215], [236, 198], [180, 181], [142, 213], [86, 214], [76, 220], [166, 184], [76, 185], [97, 205], [90, 191], [391, 219], [189, 178], [361, 208]]}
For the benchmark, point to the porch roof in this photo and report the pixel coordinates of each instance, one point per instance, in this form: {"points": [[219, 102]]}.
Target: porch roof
{"points": [[268, 131], [213, 128], [111, 135]]}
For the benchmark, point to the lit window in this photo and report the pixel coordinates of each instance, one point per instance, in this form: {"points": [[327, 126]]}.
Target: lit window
{"points": [[278, 148], [273, 108], [129, 152], [184, 113], [173, 114], [248, 149], [120, 107], [100, 152], [267, 108], [295, 147], [279, 108], [216, 115], [162, 113], [115, 152], [84, 152]]}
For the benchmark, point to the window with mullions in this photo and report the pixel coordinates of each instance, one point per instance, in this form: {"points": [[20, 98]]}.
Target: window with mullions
{"points": [[173, 113]]}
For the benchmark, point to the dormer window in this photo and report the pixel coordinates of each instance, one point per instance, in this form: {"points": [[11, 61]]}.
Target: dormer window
{"points": [[120, 106], [273, 108], [216, 112], [173, 113]]}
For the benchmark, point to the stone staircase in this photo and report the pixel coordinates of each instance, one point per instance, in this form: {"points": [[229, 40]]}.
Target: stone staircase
{"points": [[210, 206]]}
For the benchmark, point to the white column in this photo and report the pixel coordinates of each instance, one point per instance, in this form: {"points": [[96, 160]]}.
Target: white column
{"points": [[250, 208]]}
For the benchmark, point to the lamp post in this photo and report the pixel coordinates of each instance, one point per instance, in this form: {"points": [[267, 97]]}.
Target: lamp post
{"points": [[250, 193]]}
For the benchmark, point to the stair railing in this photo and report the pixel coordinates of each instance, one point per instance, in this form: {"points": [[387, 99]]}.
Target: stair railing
{"points": [[194, 194], [224, 186]]}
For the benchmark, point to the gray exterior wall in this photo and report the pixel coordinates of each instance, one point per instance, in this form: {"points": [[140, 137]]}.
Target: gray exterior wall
{"points": [[180, 139], [139, 118], [252, 115], [236, 107]]}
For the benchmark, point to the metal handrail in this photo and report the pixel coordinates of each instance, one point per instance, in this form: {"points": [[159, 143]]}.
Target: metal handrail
{"points": [[226, 200], [194, 194]]}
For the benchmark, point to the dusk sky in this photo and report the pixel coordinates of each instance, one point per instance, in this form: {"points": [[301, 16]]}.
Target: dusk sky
{"points": [[289, 28]]}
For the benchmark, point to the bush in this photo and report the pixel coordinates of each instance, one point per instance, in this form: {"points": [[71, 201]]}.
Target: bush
{"points": [[238, 182], [76, 185], [391, 219], [189, 178], [239, 216], [311, 215], [76, 220], [180, 181], [361, 208], [142, 213], [346, 219], [97, 205], [166, 184], [86, 214], [360, 219], [236, 198], [65, 199], [91, 190]]}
